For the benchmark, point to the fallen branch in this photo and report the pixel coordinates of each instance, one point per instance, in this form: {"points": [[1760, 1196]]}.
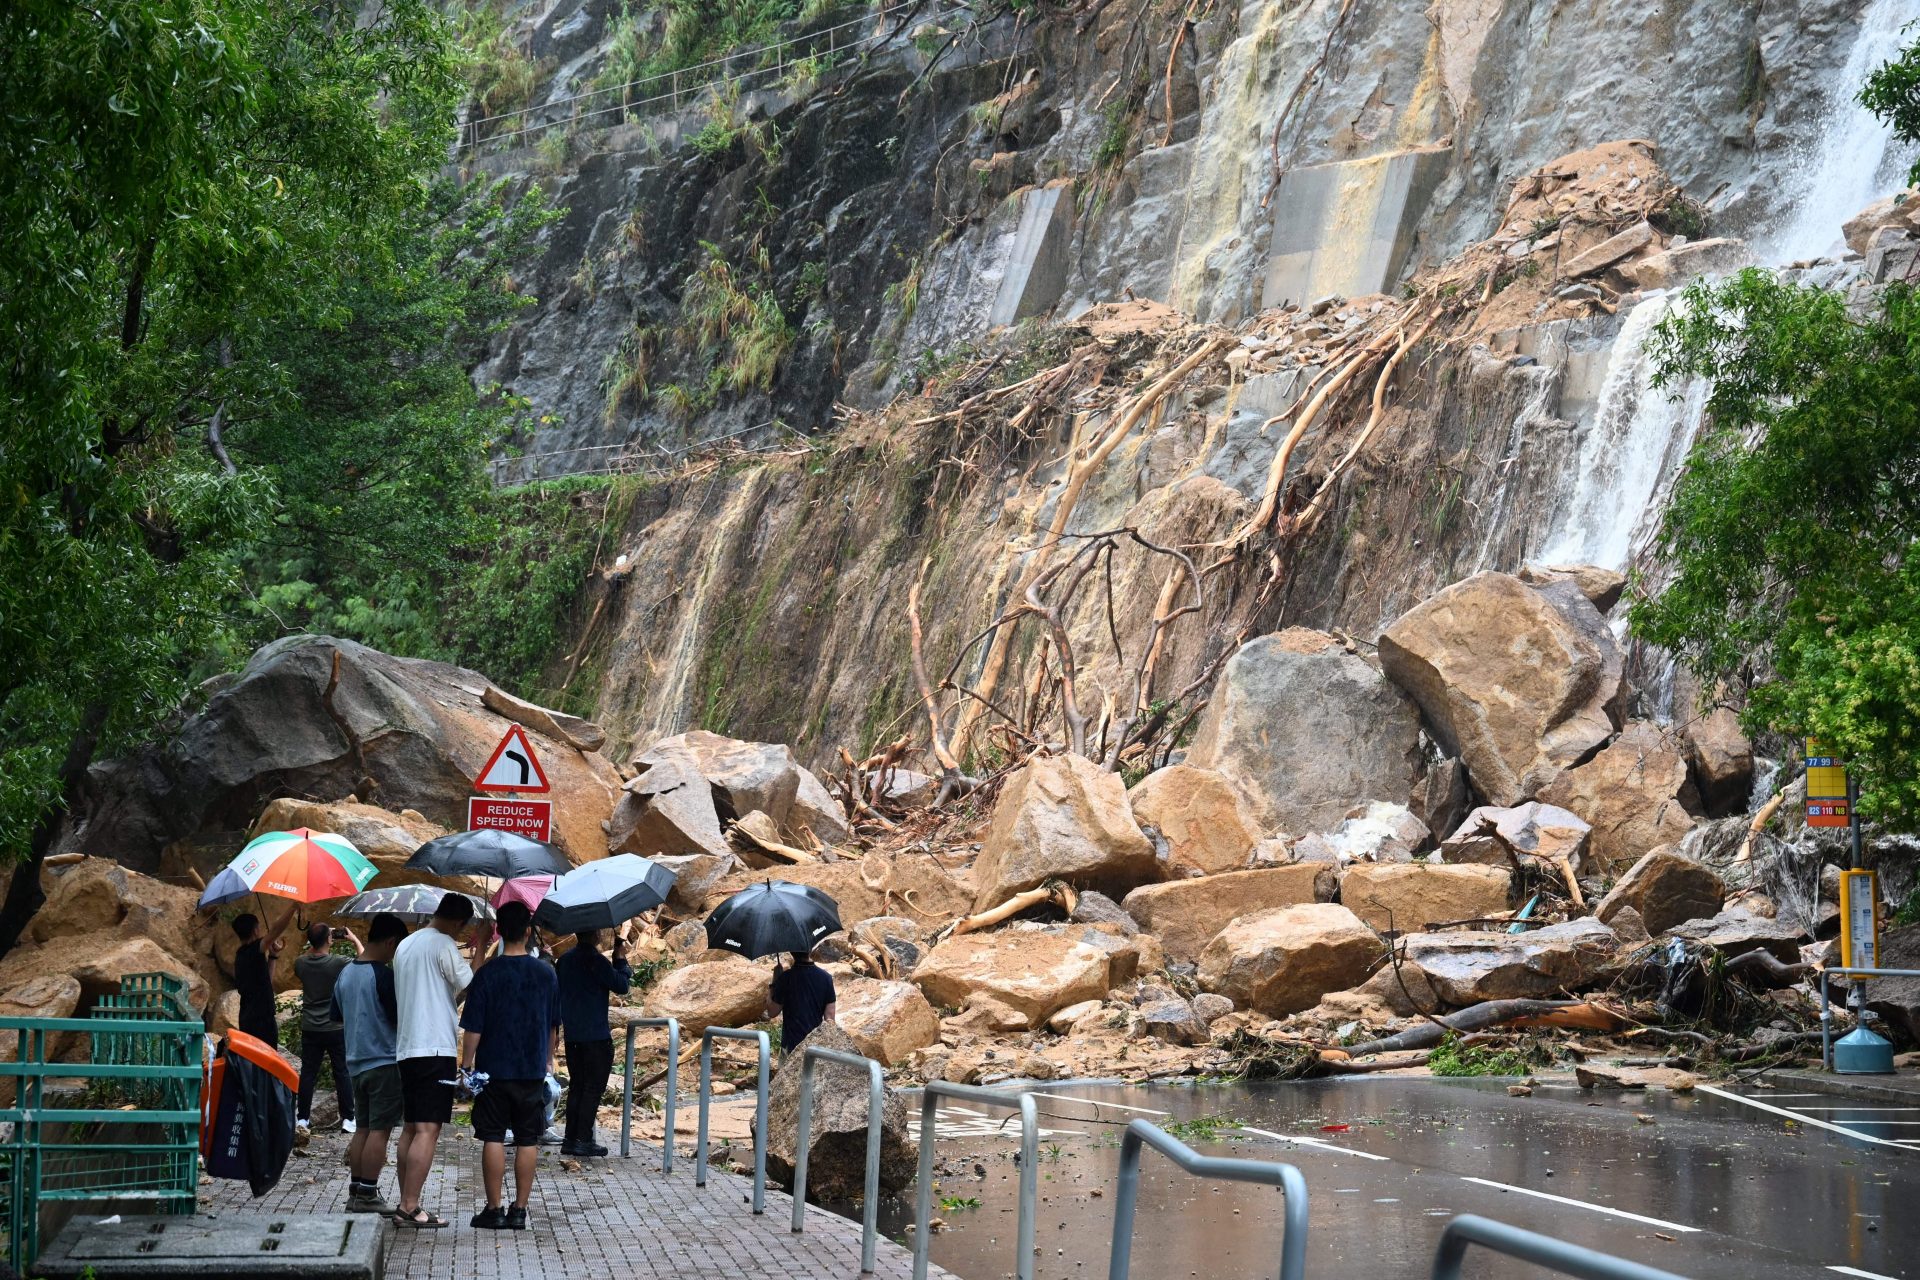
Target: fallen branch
{"points": [[1345, 1065], [1491, 1013], [1760, 820], [1580, 1017], [1057, 892], [1764, 963]]}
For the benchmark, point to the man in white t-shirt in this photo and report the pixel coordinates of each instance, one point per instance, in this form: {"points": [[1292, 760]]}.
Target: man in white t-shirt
{"points": [[429, 975]]}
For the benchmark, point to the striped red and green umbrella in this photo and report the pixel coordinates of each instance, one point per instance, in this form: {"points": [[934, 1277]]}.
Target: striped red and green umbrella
{"points": [[306, 866]]}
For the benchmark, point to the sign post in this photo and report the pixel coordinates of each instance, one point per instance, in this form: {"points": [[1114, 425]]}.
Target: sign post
{"points": [[512, 769], [1833, 800]]}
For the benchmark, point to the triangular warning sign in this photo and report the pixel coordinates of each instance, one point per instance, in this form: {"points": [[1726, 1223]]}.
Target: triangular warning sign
{"points": [[513, 766]]}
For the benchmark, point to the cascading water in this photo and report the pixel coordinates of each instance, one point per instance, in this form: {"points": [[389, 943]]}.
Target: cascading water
{"points": [[1851, 161], [1629, 455]]}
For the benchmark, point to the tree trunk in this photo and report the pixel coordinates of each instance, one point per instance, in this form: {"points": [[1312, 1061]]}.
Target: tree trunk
{"points": [[24, 895]]}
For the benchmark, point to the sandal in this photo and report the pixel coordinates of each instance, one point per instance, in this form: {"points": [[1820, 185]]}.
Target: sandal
{"points": [[419, 1220]]}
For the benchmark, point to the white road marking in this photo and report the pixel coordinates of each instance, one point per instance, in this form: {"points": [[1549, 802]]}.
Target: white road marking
{"points": [[1796, 1116], [1117, 1106], [1792, 1095], [1865, 1120], [1855, 1108], [1313, 1142], [1855, 1271], [1582, 1204]]}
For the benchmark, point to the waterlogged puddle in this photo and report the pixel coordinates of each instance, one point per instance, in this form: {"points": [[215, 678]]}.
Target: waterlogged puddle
{"points": [[1694, 1185]]}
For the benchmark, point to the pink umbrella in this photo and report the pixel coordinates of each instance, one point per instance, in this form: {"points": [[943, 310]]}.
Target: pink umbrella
{"points": [[527, 889]]}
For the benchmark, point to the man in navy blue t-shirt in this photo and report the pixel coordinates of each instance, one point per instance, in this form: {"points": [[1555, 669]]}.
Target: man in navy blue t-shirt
{"points": [[802, 994], [512, 1025]]}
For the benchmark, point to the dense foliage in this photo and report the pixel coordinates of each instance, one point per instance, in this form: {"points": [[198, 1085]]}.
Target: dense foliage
{"points": [[238, 310], [1792, 530]]}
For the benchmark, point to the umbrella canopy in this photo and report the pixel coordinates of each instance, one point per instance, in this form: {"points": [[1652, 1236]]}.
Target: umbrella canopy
{"points": [[771, 917], [414, 903], [604, 894], [527, 889], [306, 866], [500, 854]]}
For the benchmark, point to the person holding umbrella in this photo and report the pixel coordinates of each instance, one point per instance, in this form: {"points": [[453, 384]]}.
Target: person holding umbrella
{"points": [[587, 978], [322, 1037], [764, 919], [801, 996], [253, 973]]}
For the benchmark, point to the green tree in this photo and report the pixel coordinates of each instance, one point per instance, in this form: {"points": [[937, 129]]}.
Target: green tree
{"points": [[1791, 535], [184, 183]]}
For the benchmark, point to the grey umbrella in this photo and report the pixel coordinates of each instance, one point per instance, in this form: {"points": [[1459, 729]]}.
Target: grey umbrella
{"points": [[603, 894], [500, 854], [414, 903]]}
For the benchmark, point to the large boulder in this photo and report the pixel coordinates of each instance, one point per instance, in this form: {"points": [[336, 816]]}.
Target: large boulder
{"points": [[1636, 794], [746, 776], [1372, 832], [1722, 758], [727, 992], [1900, 211], [1186, 914], [1282, 961], [837, 1150], [1442, 797], [1470, 966], [880, 884], [1519, 681], [887, 1020], [1199, 816], [1734, 931], [1306, 730], [97, 904], [1063, 818], [1603, 587], [1543, 829], [1029, 974], [669, 809], [422, 729], [1898, 999], [1664, 888], [1415, 896]]}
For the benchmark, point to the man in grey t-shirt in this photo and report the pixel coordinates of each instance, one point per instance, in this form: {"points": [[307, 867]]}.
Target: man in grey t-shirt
{"points": [[321, 1034]]}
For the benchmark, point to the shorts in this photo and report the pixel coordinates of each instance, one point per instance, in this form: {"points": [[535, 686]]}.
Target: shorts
{"points": [[377, 1094], [426, 1090], [519, 1105]]}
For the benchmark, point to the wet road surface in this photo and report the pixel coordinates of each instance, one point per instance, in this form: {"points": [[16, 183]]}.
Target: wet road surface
{"points": [[1733, 1183]]}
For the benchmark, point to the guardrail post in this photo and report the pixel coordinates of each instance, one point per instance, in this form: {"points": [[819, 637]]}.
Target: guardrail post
{"points": [[1826, 1023], [707, 1037], [1029, 1170], [673, 1088], [876, 1103], [1140, 1135]]}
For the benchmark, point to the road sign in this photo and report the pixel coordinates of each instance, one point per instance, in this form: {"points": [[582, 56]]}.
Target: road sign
{"points": [[530, 818], [1859, 920], [513, 766], [1827, 802]]}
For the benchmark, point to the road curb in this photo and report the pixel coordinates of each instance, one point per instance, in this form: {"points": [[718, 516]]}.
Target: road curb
{"points": [[1897, 1088]]}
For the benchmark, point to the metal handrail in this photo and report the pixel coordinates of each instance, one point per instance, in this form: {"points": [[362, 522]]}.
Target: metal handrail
{"points": [[1029, 1169], [1142, 1133], [673, 1087], [1826, 1002], [876, 1103], [1542, 1251], [707, 1038]]}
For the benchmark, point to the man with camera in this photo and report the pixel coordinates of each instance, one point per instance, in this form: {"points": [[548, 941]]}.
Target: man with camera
{"points": [[322, 1036]]}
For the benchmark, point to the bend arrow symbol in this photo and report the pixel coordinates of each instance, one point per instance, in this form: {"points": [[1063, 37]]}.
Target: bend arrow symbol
{"points": [[526, 771]]}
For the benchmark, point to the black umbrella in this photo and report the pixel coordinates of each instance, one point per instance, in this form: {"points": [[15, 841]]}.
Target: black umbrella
{"points": [[414, 903], [500, 854], [770, 917], [603, 894]]}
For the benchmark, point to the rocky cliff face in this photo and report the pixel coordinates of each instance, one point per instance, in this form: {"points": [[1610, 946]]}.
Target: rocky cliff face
{"points": [[736, 261]]}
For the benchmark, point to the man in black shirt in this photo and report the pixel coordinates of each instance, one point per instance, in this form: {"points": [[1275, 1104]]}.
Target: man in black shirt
{"points": [[802, 994], [512, 1021], [587, 978], [253, 974]]}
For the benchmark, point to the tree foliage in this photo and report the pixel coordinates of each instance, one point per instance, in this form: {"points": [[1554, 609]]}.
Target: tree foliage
{"points": [[1791, 534], [238, 308]]}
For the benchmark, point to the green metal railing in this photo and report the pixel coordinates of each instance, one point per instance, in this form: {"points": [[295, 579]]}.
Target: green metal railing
{"points": [[121, 1122]]}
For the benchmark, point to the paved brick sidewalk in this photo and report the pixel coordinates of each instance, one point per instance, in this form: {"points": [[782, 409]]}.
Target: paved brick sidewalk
{"points": [[614, 1217]]}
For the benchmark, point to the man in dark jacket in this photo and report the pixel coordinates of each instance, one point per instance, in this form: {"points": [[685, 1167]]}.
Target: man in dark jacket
{"points": [[253, 973], [801, 995], [587, 978]]}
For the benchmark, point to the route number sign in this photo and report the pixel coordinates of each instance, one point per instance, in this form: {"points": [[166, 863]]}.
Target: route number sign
{"points": [[1827, 801]]}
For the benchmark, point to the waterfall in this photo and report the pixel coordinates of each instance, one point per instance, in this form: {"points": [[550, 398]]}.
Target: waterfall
{"points": [[1629, 456], [1850, 162]]}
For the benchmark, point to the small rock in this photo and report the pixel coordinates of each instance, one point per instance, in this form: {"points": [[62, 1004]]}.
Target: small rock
{"points": [[1519, 1091]]}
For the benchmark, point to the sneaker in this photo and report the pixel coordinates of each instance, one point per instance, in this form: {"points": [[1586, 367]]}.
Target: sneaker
{"points": [[346, 1126], [303, 1128], [492, 1218], [368, 1204], [552, 1137], [590, 1149], [517, 1218]]}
